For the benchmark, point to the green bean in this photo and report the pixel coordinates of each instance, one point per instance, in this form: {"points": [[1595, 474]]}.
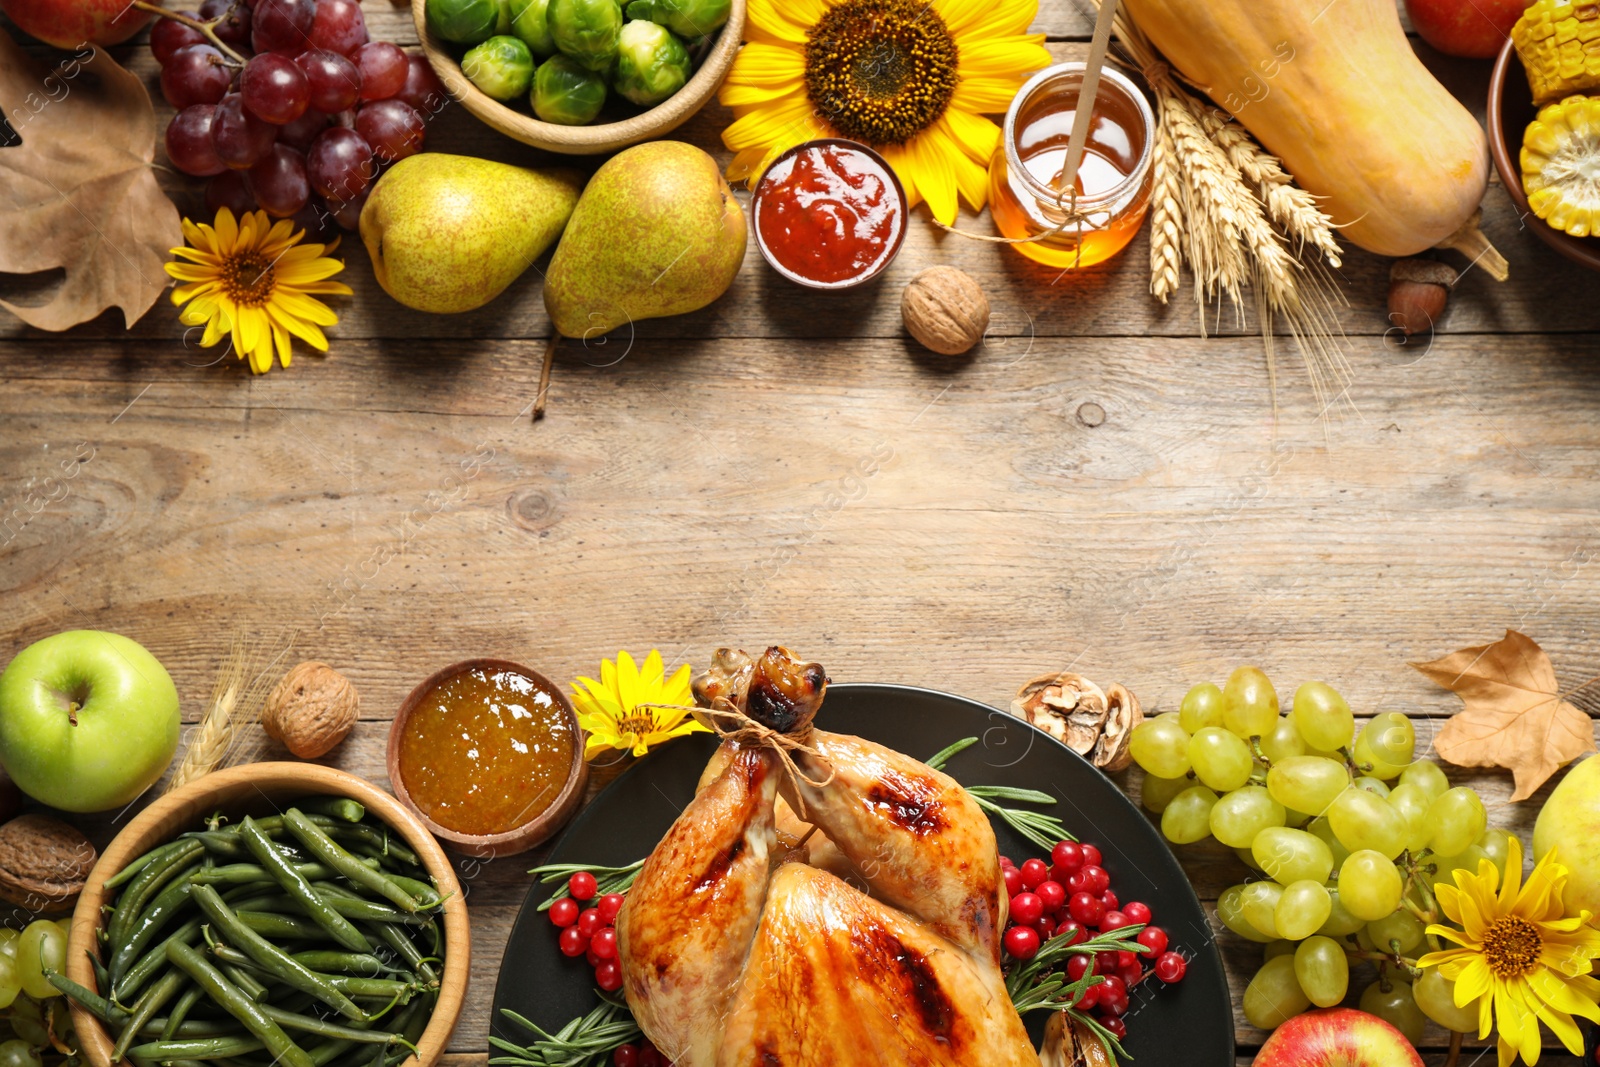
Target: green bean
{"points": [[331, 962], [246, 982], [396, 939], [341, 808], [312, 1025], [325, 849], [227, 996], [152, 961], [425, 894], [102, 977], [211, 1048], [153, 1001], [180, 1011], [328, 1051], [270, 957], [272, 924], [169, 902], [284, 873], [353, 906], [354, 986], [135, 866], [145, 884], [88, 999], [244, 873], [386, 841]]}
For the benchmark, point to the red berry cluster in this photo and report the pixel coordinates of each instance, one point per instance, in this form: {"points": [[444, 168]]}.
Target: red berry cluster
{"points": [[1071, 896], [303, 129], [592, 933]]}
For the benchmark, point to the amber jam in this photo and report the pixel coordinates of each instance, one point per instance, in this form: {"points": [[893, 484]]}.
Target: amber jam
{"points": [[486, 751], [1113, 181], [829, 213]]}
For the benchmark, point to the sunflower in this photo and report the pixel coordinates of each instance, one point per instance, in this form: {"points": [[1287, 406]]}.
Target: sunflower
{"points": [[1520, 953], [911, 78], [614, 712], [254, 279]]}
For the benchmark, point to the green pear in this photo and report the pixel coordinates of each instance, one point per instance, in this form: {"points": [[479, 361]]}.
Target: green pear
{"points": [[1570, 822], [449, 233], [656, 233]]}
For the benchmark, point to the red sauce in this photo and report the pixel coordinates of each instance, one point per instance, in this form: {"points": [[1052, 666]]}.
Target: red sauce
{"points": [[829, 213]]}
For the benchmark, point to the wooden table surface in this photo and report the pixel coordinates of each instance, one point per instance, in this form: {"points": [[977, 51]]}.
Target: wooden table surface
{"points": [[1098, 486]]}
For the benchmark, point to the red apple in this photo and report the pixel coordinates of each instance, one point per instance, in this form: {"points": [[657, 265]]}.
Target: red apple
{"points": [[1337, 1037], [74, 23], [1471, 29]]}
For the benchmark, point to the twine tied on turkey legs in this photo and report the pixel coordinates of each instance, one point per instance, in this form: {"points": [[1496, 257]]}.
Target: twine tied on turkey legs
{"points": [[749, 733]]}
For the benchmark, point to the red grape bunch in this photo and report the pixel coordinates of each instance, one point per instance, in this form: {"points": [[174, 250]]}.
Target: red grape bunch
{"points": [[304, 128]]}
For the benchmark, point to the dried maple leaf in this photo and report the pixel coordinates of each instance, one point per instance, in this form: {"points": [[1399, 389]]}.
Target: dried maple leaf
{"points": [[1514, 717], [78, 193]]}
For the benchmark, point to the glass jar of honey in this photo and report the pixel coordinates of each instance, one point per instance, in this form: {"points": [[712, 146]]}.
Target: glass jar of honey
{"points": [[1026, 196]]}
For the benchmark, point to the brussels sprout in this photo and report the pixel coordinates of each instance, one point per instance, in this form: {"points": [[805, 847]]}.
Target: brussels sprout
{"points": [[686, 18], [528, 22], [651, 63], [566, 93], [462, 21], [586, 30], [501, 66]]}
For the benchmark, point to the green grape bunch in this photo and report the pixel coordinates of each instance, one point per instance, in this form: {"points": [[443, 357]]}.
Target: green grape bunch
{"points": [[1345, 834], [35, 1024]]}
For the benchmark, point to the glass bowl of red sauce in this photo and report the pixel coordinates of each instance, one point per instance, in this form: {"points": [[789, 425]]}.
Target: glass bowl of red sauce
{"points": [[829, 214]]}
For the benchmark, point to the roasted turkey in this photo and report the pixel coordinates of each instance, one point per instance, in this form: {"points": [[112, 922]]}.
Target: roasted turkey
{"points": [[874, 942]]}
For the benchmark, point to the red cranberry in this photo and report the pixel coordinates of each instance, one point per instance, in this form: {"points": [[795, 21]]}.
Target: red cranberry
{"points": [[1022, 942], [1013, 878], [1137, 912], [1114, 920], [1091, 855], [1035, 873], [1053, 894], [1086, 909], [1067, 855], [564, 912], [1026, 908], [1171, 967], [1154, 939]]}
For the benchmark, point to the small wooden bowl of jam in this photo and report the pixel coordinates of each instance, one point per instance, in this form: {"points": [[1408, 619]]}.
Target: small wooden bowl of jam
{"points": [[829, 214], [489, 755]]}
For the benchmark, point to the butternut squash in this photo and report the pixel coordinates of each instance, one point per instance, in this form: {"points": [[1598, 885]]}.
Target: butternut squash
{"points": [[1334, 90]]}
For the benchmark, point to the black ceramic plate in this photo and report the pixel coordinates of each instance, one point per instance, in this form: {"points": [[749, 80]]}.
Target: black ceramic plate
{"points": [[1190, 1023]]}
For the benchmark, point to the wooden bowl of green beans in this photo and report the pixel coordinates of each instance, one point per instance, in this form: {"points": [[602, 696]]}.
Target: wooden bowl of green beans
{"points": [[269, 915]]}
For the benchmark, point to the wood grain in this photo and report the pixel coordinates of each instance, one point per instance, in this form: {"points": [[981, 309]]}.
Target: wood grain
{"points": [[1098, 485]]}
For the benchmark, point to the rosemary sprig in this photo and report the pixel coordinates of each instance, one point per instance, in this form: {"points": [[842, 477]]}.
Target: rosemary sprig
{"points": [[1041, 829], [1052, 958], [607, 879], [584, 1042], [942, 757], [1107, 1038]]}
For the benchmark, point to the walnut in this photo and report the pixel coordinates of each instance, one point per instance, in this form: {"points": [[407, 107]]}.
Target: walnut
{"points": [[311, 709], [1070, 1043], [1093, 722], [43, 863], [945, 310]]}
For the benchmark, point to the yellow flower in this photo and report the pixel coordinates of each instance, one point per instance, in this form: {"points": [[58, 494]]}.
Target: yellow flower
{"points": [[253, 279], [610, 708], [1520, 953], [911, 78]]}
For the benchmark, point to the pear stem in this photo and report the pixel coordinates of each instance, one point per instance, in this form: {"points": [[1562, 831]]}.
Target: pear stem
{"points": [[1455, 1049], [544, 375]]}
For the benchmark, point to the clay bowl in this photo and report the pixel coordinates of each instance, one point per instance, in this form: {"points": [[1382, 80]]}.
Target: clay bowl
{"points": [[1510, 110], [530, 833], [521, 125], [259, 789]]}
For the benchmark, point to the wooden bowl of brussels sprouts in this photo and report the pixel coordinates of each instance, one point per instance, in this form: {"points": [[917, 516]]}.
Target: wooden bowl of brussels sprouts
{"points": [[581, 77]]}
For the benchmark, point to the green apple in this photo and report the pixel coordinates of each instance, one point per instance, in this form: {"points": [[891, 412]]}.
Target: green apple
{"points": [[88, 720], [1570, 821]]}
